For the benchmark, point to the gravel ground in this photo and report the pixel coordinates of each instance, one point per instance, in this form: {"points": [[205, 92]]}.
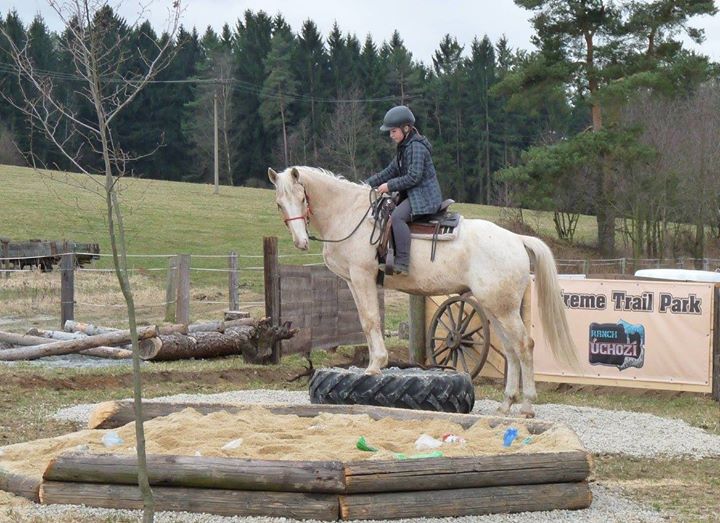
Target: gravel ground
{"points": [[601, 431]]}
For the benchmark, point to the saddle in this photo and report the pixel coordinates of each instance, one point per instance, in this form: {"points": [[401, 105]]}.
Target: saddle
{"points": [[441, 226]]}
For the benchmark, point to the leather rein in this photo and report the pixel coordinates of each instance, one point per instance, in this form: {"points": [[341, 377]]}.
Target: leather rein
{"points": [[308, 212]]}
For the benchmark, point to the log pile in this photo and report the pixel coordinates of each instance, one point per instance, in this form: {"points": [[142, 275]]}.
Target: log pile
{"points": [[251, 338], [331, 490]]}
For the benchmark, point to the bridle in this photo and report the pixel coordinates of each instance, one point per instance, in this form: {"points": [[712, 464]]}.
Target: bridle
{"points": [[305, 216], [308, 212]]}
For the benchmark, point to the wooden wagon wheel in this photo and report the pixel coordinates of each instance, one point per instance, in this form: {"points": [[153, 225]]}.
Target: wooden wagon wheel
{"points": [[450, 340]]}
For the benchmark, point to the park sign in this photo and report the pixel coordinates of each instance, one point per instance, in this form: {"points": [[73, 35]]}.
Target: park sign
{"points": [[634, 333]]}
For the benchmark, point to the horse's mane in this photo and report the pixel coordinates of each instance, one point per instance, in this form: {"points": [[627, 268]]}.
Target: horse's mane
{"points": [[326, 172]]}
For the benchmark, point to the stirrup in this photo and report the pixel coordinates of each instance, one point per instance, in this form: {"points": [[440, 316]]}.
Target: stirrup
{"points": [[400, 269]]}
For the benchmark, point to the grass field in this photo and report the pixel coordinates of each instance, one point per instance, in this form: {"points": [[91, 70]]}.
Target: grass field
{"points": [[165, 218], [161, 219]]}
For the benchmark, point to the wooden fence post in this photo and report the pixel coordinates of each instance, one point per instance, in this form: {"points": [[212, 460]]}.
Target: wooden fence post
{"points": [[234, 303], [716, 348], [416, 319], [171, 290], [182, 305], [272, 288], [5, 253], [67, 285]]}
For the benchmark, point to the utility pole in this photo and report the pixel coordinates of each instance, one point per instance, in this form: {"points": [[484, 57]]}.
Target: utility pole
{"points": [[215, 145]]}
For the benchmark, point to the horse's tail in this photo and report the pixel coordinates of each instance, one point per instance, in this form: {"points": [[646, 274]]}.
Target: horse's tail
{"points": [[552, 308]]}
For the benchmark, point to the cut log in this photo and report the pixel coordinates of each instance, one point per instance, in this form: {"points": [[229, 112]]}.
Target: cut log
{"points": [[221, 326], [211, 326], [56, 335], [235, 315], [87, 328], [94, 330], [72, 346], [200, 472], [467, 472], [115, 353], [254, 342], [297, 505], [466, 502], [113, 414], [26, 486]]}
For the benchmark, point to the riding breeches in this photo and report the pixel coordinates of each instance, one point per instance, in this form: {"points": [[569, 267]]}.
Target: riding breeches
{"points": [[400, 217]]}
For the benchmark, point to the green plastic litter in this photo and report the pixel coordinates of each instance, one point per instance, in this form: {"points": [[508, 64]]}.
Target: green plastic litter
{"points": [[433, 454], [527, 441], [362, 445]]}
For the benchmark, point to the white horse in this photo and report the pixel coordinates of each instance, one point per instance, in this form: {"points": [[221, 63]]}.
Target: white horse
{"points": [[489, 261]]}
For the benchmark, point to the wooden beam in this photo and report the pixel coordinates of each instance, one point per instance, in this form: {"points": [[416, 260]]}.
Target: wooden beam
{"points": [[417, 343], [466, 472], [466, 502], [297, 505], [200, 472]]}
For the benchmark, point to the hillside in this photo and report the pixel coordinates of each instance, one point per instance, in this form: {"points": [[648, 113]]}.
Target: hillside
{"points": [[164, 217]]}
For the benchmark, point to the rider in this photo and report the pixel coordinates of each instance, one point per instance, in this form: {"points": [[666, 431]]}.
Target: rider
{"points": [[413, 174]]}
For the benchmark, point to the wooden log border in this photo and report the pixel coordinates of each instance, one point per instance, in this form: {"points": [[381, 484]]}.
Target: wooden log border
{"points": [[466, 502], [328, 477], [324, 490], [20, 485], [200, 472], [213, 501], [466, 472]]}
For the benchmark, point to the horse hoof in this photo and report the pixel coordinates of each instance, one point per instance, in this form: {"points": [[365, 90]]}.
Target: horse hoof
{"points": [[502, 412], [372, 372]]}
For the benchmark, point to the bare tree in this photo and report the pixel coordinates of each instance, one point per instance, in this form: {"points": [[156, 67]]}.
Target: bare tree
{"points": [[107, 84], [344, 135], [680, 184]]}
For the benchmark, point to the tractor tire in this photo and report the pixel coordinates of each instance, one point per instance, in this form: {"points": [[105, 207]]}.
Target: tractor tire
{"points": [[436, 390]]}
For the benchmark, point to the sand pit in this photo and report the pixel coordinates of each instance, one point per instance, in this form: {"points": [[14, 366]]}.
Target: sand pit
{"points": [[258, 433], [273, 460]]}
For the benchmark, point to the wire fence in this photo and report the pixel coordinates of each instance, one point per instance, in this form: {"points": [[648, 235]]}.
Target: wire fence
{"points": [[215, 283]]}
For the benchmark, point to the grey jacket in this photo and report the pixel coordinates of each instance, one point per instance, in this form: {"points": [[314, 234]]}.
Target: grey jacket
{"points": [[412, 170]]}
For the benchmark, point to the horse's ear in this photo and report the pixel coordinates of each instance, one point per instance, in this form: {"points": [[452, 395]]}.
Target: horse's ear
{"points": [[272, 175], [295, 174]]}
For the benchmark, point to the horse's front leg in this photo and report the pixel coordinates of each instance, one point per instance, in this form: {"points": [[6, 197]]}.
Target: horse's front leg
{"points": [[364, 291]]}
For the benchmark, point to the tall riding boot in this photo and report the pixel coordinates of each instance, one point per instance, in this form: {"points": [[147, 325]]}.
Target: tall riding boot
{"points": [[401, 235]]}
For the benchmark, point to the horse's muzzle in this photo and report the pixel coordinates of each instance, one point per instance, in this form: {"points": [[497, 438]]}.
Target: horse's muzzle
{"points": [[301, 244]]}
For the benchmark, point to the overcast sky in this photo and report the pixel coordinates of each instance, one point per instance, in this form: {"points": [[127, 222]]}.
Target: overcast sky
{"points": [[421, 23]]}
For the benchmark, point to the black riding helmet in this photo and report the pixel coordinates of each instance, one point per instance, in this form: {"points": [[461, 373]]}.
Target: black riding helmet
{"points": [[397, 117]]}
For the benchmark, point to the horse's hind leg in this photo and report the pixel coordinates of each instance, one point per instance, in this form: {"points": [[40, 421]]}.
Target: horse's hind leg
{"points": [[364, 292], [518, 351], [512, 380]]}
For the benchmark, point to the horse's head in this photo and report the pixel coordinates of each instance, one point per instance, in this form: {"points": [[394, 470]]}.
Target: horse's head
{"points": [[292, 202]]}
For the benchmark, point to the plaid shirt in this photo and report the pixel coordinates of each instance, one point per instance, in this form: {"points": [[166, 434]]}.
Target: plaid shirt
{"points": [[412, 170]]}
